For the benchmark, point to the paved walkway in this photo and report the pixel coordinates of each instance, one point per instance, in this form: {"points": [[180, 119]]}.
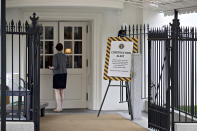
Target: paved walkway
{"points": [[143, 122]]}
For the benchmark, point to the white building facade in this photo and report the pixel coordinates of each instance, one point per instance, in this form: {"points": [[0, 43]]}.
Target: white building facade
{"points": [[84, 26], [103, 18]]}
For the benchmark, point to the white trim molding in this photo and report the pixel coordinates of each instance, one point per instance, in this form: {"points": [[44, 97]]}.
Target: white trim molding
{"points": [[117, 4]]}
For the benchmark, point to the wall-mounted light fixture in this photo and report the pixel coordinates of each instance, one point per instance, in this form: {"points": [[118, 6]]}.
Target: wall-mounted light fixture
{"points": [[68, 51]]}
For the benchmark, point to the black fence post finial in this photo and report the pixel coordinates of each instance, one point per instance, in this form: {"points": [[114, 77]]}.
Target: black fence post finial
{"points": [[175, 14], [34, 19], [176, 24]]}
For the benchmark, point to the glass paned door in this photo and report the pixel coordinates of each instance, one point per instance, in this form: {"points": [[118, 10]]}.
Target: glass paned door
{"points": [[47, 45], [73, 36]]}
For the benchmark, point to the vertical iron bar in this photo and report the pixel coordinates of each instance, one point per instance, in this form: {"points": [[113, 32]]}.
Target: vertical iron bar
{"points": [[179, 75], [145, 61], [27, 85], [26, 80], [162, 76], [129, 31], [125, 30], [19, 97], [155, 70], [149, 81], [160, 72], [136, 33], [157, 64], [192, 74], [120, 92], [12, 30], [195, 78], [133, 31], [188, 72], [185, 75], [3, 65], [169, 75]]}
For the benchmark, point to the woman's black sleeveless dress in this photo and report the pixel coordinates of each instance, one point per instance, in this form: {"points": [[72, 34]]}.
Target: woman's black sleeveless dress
{"points": [[59, 81], [60, 71]]}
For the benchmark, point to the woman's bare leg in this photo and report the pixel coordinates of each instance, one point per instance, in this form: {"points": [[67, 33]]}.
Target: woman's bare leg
{"points": [[62, 97], [58, 99]]}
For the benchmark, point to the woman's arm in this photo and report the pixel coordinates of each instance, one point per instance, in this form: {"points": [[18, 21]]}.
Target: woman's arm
{"points": [[54, 67], [55, 62]]}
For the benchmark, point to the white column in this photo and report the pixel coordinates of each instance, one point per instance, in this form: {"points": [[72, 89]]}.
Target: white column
{"points": [[136, 86]]}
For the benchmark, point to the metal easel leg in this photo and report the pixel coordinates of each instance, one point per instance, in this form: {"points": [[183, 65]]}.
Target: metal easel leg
{"points": [[129, 100], [104, 98]]}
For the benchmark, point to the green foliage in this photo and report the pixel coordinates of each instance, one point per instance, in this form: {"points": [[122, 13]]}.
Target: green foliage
{"points": [[188, 109]]}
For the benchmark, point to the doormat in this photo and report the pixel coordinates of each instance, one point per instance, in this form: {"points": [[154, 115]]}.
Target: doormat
{"points": [[87, 122]]}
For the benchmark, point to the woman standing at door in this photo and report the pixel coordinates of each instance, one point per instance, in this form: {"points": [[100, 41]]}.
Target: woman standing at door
{"points": [[59, 76]]}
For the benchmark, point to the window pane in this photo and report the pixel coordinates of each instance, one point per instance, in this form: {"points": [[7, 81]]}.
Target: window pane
{"points": [[78, 62], [48, 61], [68, 61], [68, 47], [67, 32], [41, 61], [78, 47], [49, 32], [78, 33], [49, 47], [41, 47]]}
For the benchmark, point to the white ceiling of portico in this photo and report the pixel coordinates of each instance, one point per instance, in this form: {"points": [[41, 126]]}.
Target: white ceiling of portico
{"points": [[184, 6]]}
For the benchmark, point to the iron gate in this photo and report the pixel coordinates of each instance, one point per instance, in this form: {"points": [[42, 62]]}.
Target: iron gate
{"points": [[172, 93], [158, 91], [22, 79]]}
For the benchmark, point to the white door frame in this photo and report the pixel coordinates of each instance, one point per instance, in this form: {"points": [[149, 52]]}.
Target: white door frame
{"points": [[94, 83]]}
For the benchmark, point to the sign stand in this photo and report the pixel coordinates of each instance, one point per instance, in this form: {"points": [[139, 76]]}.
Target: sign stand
{"points": [[128, 96], [118, 66]]}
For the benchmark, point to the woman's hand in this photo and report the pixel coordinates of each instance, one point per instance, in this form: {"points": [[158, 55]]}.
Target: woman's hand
{"points": [[51, 67]]}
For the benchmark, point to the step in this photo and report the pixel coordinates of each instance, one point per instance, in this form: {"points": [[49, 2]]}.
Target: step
{"points": [[19, 126]]}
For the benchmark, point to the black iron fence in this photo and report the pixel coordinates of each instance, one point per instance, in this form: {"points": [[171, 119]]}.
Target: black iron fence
{"points": [[3, 65], [22, 79], [139, 31], [158, 91], [18, 95], [184, 76], [172, 75]]}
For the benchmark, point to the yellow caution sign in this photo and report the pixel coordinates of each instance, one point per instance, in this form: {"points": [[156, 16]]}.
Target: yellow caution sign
{"points": [[118, 58]]}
